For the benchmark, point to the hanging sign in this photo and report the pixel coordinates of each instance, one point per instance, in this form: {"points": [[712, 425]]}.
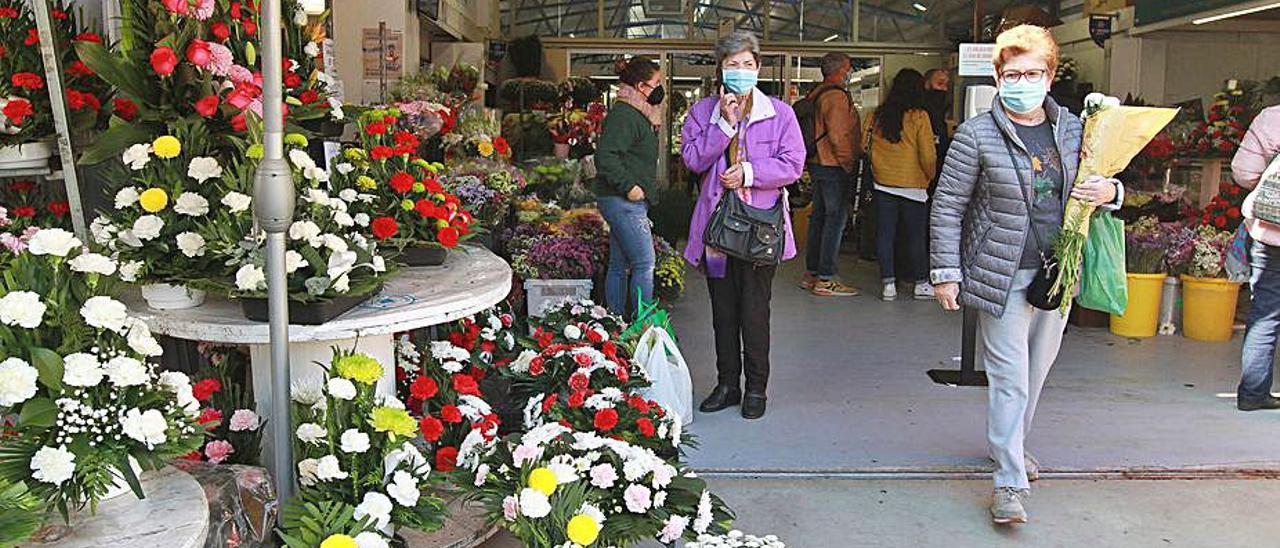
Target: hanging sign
{"points": [[975, 60], [1100, 29]]}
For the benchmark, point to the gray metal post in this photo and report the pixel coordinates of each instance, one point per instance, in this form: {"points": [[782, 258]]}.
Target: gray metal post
{"points": [[61, 123], [273, 194]]}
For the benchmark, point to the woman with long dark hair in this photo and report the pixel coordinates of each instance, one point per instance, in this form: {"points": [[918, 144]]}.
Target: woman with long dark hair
{"points": [[903, 160], [627, 175]]}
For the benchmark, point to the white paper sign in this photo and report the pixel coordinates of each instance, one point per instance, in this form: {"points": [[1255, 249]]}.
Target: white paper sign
{"points": [[975, 60]]}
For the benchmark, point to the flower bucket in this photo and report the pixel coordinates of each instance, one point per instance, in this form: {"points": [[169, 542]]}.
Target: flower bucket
{"points": [[318, 313], [424, 256], [26, 155], [561, 150], [1208, 308], [172, 297], [1142, 316], [539, 294]]}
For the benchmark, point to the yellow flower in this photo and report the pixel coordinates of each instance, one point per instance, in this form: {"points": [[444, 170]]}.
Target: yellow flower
{"points": [[544, 480], [355, 154], [255, 151], [366, 182], [406, 204], [296, 139], [485, 148], [338, 541], [583, 530], [360, 368], [153, 199], [395, 422], [167, 146]]}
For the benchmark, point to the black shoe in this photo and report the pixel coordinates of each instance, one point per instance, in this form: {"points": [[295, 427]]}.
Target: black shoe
{"points": [[753, 406], [1265, 403], [723, 397]]}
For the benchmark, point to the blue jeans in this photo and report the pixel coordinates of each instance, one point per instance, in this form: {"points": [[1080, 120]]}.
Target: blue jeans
{"points": [[831, 190], [1257, 364], [894, 213], [631, 255]]}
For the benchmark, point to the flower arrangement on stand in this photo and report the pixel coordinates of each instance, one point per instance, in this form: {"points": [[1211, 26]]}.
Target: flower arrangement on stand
{"points": [[1223, 211], [1221, 134], [476, 135], [575, 128], [90, 411], [235, 429], [410, 212], [487, 189], [361, 475]]}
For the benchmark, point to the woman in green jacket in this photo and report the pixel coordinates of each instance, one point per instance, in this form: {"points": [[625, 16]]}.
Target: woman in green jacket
{"points": [[627, 170]]}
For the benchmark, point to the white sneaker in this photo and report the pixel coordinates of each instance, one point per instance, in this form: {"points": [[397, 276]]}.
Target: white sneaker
{"points": [[890, 291], [924, 291]]}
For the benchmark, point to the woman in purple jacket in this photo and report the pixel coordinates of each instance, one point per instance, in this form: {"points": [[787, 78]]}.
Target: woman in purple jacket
{"points": [[746, 142]]}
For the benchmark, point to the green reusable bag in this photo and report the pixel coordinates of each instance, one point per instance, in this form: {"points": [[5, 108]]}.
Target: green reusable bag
{"points": [[1103, 285]]}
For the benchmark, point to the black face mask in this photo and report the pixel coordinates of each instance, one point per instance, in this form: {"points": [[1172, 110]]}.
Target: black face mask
{"points": [[657, 95], [936, 99]]}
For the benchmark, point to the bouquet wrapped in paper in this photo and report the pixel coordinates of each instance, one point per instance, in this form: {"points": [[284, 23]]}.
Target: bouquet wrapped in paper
{"points": [[1113, 135]]}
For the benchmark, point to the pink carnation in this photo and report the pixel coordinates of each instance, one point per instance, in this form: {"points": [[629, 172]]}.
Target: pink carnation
{"points": [[221, 60], [13, 243], [218, 450], [239, 74], [204, 9], [244, 420], [510, 508]]}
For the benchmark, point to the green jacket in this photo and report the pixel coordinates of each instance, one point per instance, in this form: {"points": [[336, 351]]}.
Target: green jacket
{"points": [[627, 154]]}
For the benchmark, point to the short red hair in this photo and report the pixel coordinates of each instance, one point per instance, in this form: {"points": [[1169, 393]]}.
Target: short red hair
{"points": [[1026, 39]]}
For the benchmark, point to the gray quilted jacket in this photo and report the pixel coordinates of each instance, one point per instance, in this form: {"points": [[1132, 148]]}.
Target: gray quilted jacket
{"points": [[980, 214]]}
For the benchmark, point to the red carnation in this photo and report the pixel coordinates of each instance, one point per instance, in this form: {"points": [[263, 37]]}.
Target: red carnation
{"points": [[1234, 213], [22, 186], [594, 336], [309, 96], [500, 145], [292, 80], [24, 211], [58, 14], [425, 208], [536, 366], [8, 13], [646, 427], [466, 385], [234, 10], [401, 182], [238, 123], [447, 237], [381, 152], [431, 428], [375, 128], [639, 404], [79, 100], [207, 106], [446, 459], [389, 120], [89, 37], [59, 208], [424, 388], [209, 417], [579, 381], [609, 350], [78, 68], [33, 37], [577, 399], [1220, 221], [164, 60], [193, 456], [220, 30], [250, 27], [28, 80], [622, 374], [549, 402], [2, 50], [451, 414], [384, 227], [206, 388], [606, 419]]}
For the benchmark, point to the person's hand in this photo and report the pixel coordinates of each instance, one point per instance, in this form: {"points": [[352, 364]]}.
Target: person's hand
{"points": [[636, 194], [1095, 191], [728, 107], [948, 295], [732, 177]]}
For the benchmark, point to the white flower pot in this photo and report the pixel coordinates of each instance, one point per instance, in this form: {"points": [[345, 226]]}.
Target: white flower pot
{"points": [[121, 487], [26, 156], [172, 297]]}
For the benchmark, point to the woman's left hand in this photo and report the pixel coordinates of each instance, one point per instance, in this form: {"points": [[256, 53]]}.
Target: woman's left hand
{"points": [[1095, 191], [732, 177]]}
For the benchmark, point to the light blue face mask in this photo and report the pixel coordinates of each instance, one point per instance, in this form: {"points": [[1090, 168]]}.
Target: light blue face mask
{"points": [[1023, 96], [740, 81]]}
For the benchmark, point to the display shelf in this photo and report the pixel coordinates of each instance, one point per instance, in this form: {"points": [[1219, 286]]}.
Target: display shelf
{"points": [[28, 172]]}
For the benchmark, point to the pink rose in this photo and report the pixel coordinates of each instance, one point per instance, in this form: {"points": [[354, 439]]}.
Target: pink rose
{"points": [[244, 420], [218, 450]]}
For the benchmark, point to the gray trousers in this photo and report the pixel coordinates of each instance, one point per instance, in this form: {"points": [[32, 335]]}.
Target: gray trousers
{"points": [[1018, 350]]}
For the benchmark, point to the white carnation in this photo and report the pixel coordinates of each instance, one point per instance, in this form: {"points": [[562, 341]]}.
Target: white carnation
{"points": [[312, 50], [342, 389], [126, 197], [140, 339], [534, 504], [191, 204], [307, 471], [310, 432], [93, 263], [129, 271], [293, 261], [375, 506], [125, 371], [137, 156], [404, 489], [369, 539], [22, 308], [147, 427], [305, 230], [104, 312], [52, 241], [81, 369], [191, 244], [53, 465], [328, 469], [354, 441], [147, 227], [237, 202], [204, 168], [17, 382], [250, 278], [181, 386]]}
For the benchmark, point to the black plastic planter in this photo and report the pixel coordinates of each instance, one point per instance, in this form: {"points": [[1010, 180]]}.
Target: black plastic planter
{"points": [[424, 256], [306, 313]]}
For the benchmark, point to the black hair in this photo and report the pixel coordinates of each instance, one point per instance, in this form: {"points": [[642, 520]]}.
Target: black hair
{"points": [[906, 94], [636, 70]]}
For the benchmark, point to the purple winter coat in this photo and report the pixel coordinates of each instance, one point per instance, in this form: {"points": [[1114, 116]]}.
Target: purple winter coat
{"points": [[775, 159]]}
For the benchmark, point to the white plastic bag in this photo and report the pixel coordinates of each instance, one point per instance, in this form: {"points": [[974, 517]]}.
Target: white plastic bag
{"points": [[671, 386]]}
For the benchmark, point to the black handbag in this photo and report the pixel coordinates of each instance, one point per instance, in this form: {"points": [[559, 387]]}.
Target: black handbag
{"points": [[1040, 292], [747, 233]]}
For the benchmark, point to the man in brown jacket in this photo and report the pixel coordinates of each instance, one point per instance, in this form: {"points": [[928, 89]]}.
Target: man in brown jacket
{"points": [[837, 130]]}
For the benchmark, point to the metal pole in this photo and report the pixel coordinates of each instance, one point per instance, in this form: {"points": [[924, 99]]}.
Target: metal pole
{"points": [[58, 103], [273, 193]]}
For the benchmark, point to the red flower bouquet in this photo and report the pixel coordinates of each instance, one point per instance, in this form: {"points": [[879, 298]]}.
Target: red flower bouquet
{"points": [[440, 387], [1223, 211]]}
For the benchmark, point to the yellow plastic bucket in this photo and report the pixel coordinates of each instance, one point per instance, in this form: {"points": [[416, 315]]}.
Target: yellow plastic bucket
{"points": [[1208, 308], [1142, 316]]}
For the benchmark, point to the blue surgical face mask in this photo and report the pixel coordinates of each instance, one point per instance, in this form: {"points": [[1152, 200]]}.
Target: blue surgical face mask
{"points": [[1023, 96], [739, 81]]}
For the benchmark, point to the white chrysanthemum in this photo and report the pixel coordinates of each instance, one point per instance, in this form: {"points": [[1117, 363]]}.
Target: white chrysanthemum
{"points": [[310, 432], [81, 369], [237, 202], [204, 168], [125, 371], [104, 312], [191, 204], [17, 381], [147, 427], [354, 441], [250, 278], [53, 465], [375, 506], [52, 241], [534, 504], [137, 156], [342, 389], [191, 244], [328, 469], [147, 227], [22, 308], [93, 263], [404, 489]]}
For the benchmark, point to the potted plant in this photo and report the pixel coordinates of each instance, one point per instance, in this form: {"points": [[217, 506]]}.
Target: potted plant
{"points": [[1145, 249], [1208, 297]]}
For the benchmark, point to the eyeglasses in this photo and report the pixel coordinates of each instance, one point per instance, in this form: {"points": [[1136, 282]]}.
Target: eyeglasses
{"points": [[1033, 76]]}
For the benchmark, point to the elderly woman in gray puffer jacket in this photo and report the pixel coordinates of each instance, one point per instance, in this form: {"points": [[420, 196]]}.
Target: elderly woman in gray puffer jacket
{"points": [[999, 205]]}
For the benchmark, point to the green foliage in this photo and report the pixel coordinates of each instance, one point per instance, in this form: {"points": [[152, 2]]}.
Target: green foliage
{"points": [[20, 513], [307, 521]]}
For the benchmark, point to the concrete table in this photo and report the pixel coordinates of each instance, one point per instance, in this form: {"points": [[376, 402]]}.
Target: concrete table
{"points": [[471, 280], [174, 515]]}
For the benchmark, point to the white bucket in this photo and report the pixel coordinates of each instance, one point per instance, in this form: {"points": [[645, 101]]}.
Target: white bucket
{"points": [[33, 155], [543, 293], [172, 297]]}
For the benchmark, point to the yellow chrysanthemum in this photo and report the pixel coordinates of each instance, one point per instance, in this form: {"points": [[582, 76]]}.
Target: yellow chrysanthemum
{"points": [[583, 530], [167, 146], [406, 204], [543, 480], [296, 139], [255, 151], [366, 182], [153, 199], [395, 422], [355, 154], [338, 541], [485, 148], [360, 368]]}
